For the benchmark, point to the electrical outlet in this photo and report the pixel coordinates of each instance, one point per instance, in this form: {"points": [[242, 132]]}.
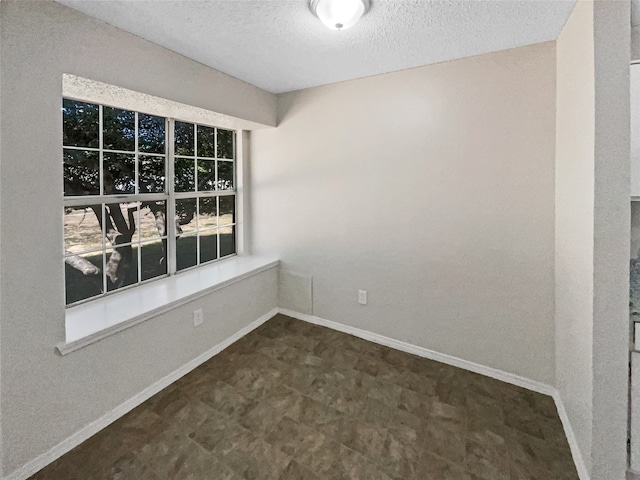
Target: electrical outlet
{"points": [[198, 317], [362, 297]]}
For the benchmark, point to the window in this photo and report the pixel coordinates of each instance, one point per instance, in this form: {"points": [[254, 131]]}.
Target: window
{"points": [[125, 173]]}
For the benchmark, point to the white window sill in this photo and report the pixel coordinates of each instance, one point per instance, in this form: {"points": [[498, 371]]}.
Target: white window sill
{"points": [[93, 321]]}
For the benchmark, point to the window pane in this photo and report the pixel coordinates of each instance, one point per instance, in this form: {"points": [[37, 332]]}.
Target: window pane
{"points": [[80, 124], [151, 133], [225, 175], [227, 241], [114, 245], [151, 174], [185, 175], [121, 267], [208, 213], [120, 222], [82, 276], [186, 251], [225, 143], [227, 210], [153, 219], [186, 215], [119, 129], [81, 172], [184, 138], [153, 259], [206, 175], [82, 230], [206, 142], [208, 245], [119, 170]]}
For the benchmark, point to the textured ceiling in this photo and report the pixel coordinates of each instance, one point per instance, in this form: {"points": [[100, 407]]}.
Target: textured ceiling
{"points": [[279, 45]]}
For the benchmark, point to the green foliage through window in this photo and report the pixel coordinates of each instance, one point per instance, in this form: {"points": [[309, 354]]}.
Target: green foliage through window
{"points": [[117, 199]]}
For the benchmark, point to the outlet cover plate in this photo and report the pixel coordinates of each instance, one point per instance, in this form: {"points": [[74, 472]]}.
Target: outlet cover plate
{"points": [[198, 317], [362, 297]]}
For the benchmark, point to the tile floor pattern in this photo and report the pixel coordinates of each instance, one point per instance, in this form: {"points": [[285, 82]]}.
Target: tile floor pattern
{"points": [[294, 401]]}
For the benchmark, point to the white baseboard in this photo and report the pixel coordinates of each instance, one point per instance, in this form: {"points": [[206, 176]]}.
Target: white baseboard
{"points": [[83, 434], [507, 377], [426, 353], [80, 436], [578, 460]]}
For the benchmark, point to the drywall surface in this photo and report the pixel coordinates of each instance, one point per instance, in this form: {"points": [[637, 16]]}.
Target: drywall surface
{"points": [[44, 397], [575, 133], [635, 43], [634, 113], [432, 189], [70, 42], [611, 240], [1, 141], [592, 231]]}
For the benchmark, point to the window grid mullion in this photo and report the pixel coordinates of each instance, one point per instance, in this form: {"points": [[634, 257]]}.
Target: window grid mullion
{"points": [[139, 256], [136, 180], [94, 251], [218, 226], [110, 150], [104, 247], [234, 154], [206, 193], [171, 202], [195, 157], [102, 205], [104, 271], [197, 189], [101, 147], [95, 199], [197, 230], [137, 157], [83, 149], [215, 163]]}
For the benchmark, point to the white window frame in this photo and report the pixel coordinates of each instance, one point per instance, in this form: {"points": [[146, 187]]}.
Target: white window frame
{"points": [[169, 196]]}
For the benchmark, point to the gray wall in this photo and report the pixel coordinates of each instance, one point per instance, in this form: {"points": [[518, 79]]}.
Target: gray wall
{"points": [[592, 231], [575, 133], [433, 189], [45, 398], [611, 239], [635, 43]]}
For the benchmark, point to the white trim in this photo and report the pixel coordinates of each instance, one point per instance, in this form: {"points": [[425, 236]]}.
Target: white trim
{"points": [[83, 434], [426, 353], [507, 377], [84, 89], [578, 460], [80, 436], [240, 191], [93, 321]]}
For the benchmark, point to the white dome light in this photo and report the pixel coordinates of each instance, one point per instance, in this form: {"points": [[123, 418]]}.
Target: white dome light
{"points": [[339, 14]]}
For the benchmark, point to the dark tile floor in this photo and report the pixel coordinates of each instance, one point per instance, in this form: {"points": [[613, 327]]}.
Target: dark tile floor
{"points": [[296, 401]]}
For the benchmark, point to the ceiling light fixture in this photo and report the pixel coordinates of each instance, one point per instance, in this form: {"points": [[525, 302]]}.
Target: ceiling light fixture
{"points": [[339, 14]]}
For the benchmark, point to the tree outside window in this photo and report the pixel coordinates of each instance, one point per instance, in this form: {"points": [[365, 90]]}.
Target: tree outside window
{"points": [[125, 174]]}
